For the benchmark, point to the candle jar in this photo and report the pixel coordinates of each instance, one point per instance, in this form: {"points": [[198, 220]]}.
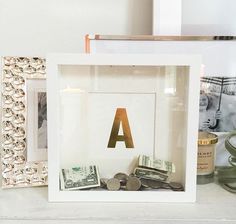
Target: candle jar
{"points": [[206, 157]]}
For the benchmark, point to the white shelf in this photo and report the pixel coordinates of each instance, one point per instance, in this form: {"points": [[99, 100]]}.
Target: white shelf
{"points": [[29, 205]]}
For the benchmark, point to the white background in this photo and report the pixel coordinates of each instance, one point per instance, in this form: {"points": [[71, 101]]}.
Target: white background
{"points": [[59, 30], [35, 27], [208, 17]]}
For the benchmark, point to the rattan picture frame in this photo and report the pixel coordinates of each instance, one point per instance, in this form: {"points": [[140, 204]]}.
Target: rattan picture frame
{"points": [[16, 170]]}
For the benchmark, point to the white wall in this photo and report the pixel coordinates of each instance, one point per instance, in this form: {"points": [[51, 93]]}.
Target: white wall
{"points": [[209, 17], [167, 17], [35, 27], [198, 17]]}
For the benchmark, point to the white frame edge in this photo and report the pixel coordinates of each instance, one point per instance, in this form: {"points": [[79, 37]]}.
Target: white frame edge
{"points": [[53, 60]]}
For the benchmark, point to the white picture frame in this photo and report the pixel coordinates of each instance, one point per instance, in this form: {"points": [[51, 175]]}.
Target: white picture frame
{"points": [[58, 66]]}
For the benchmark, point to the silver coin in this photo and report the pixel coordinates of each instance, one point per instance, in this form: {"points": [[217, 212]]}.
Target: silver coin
{"points": [[175, 186], [180, 189], [122, 177], [133, 184], [122, 187], [144, 182], [113, 184], [154, 184], [103, 182], [166, 186]]}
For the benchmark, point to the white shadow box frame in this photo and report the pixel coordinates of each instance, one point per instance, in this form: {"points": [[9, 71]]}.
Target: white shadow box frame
{"points": [[81, 89], [23, 164]]}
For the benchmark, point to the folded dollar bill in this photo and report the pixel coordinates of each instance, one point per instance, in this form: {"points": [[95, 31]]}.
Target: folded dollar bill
{"points": [[80, 177], [157, 164], [150, 174]]}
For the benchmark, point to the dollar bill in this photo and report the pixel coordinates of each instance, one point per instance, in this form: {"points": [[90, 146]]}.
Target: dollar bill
{"points": [[157, 164], [80, 177], [150, 174]]}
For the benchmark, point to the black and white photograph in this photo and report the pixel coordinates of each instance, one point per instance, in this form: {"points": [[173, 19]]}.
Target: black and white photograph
{"points": [[217, 105], [37, 120], [42, 120]]}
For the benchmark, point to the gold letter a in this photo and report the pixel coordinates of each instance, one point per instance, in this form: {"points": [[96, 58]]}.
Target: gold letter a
{"points": [[121, 117]]}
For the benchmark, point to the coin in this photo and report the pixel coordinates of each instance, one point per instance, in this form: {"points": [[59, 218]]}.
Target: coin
{"points": [[154, 184], [103, 182], [133, 184], [176, 186], [144, 182], [122, 177], [122, 187], [113, 184], [166, 186]]}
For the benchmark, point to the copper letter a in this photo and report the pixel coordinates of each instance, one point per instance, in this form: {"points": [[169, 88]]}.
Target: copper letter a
{"points": [[121, 117]]}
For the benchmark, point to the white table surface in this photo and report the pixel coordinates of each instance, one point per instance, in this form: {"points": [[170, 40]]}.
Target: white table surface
{"points": [[29, 205]]}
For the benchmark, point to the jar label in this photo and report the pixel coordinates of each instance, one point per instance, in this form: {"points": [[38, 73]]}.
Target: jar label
{"points": [[205, 162]]}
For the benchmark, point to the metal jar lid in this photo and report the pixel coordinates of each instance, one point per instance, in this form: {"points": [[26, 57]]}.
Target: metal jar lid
{"points": [[207, 138]]}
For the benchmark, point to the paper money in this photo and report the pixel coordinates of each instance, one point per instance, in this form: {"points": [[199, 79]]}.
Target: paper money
{"points": [[80, 177], [157, 164], [150, 174]]}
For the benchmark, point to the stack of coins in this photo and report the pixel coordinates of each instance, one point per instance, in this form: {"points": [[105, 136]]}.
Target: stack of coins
{"points": [[176, 186], [155, 184], [122, 181], [122, 177], [148, 183]]}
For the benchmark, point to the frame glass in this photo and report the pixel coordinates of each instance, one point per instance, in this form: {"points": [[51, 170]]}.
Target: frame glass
{"points": [[84, 94]]}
